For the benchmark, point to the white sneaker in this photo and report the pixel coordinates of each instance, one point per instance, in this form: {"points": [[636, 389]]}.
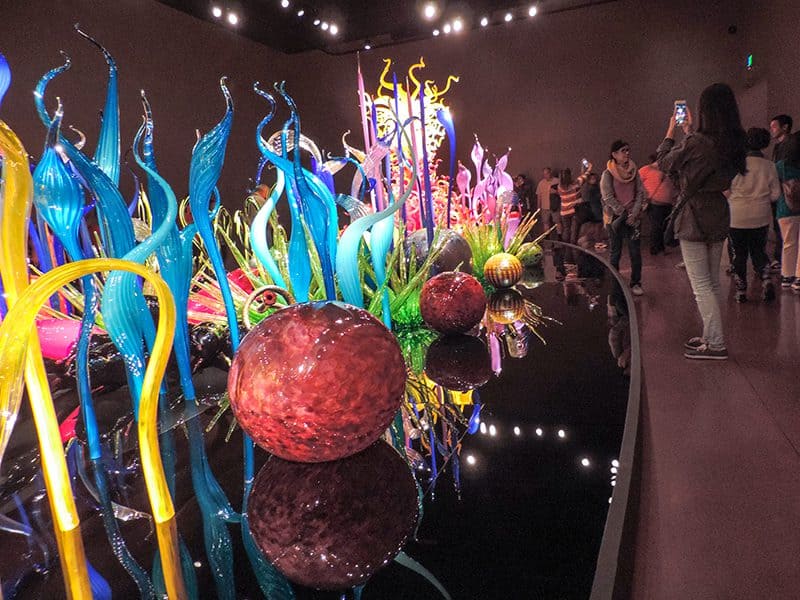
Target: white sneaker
{"points": [[637, 290]]}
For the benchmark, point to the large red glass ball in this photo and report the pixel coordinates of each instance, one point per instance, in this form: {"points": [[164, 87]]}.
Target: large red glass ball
{"points": [[452, 302], [317, 381], [332, 525]]}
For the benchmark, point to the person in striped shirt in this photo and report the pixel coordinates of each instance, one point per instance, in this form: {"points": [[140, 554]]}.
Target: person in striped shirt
{"points": [[569, 191]]}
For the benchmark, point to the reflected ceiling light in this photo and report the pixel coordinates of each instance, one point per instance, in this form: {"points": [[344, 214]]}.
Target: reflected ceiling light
{"points": [[334, 29], [508, 17], [285, 3], [325, 26], [613, 469], [367, 47], [470, 459], [609, 500], [317, 22], [216, 11], [562, 434], [532, 11], [585, 462], [458, 25], [615, 463], [429, 11], [435, 32], [539, 431], [233, 18], [446, 28], [483, 427], [492, 430], [613, 483], [517, 431], [484, 21], [301, 12], [197, 564]]}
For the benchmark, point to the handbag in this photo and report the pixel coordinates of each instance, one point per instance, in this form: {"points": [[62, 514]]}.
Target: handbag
{"points": [[669, 227], [791, 193]]}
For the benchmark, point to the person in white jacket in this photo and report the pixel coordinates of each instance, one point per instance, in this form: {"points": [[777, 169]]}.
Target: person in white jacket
{"points": [[751, 197]]}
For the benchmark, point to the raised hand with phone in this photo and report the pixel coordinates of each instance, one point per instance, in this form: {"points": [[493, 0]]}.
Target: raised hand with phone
{"points": [[682, 116]]}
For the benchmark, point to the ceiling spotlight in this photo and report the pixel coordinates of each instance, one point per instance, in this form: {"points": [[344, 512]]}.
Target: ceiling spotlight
{"points": [[233, 18], [325, 26], [367, 47], [562, 434], [508, 17], [301, 12], [585, 462], [216, 11], [435, 32], [285, 3], [429, 11], [539, 431], [484, 21], [517, 431], [447, 29], [532, 11], [317, 22], [334, 29], [458, 25]]}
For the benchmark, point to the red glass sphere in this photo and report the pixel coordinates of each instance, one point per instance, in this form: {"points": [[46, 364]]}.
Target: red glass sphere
{"points": [[452, 302], [332, 525], [317, 381]]}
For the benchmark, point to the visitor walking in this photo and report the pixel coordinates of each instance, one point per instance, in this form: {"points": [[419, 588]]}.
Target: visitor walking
{"points": [[623, 200], [660, 196], [705, 163], [750, 200]]}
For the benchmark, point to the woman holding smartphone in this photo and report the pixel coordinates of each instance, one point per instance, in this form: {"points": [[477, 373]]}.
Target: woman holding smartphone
{"points": [[705, 164]]}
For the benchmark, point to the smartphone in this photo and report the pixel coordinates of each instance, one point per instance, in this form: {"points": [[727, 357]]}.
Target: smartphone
{"points": [[585, 163], [680, 112]]}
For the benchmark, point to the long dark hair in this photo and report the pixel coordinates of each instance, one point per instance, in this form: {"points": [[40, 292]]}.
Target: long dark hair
{"points": [[565, 178], [719, 119]]}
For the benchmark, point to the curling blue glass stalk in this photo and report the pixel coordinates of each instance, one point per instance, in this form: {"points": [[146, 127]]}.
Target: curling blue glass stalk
{"points": [[429, 216], [446, 119], [400, 168], [318, 205], [107, 153], [5, 77]]}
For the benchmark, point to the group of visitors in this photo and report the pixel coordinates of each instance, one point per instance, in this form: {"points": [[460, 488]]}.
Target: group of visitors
{"points": [[716, 185]]}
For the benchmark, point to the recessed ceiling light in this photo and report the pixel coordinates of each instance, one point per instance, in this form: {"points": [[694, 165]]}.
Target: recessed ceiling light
{"points": [[484, 21], [458, 25], [532, 11], [285, 3], [325, 26], [317, 22], [367, 47], [508, 17], [301, 12], [435, 32], [233, 18], [334, 29], [216, 11], [446, 28], [429, 11]]}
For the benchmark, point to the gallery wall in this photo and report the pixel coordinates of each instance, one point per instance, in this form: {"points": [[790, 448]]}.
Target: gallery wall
{"points": [[554, 88]]}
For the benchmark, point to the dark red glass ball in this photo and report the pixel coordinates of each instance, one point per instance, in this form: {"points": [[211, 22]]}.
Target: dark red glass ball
{"points": [[317, 381], [458, 362], [332, 525], [452, 302]]}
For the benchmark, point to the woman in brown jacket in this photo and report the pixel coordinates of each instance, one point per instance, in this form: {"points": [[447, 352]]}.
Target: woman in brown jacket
{"points": [[705, 163]]}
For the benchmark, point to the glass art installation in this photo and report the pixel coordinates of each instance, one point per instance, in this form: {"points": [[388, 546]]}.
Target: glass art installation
{"points": [[324, 342]]}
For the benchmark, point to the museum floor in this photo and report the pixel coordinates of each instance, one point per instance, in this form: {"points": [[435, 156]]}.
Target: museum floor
{"points": [[720, 499]]}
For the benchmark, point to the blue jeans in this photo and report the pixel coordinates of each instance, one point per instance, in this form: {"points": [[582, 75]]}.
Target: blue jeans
{"points": [[702, 266]]}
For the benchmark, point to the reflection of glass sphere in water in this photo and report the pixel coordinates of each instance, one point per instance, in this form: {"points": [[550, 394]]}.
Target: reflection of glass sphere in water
{"points": [[505, 306], [454, 251], [530, 254], [452, 302], [458, 362], [502, 270], [317, 381], [333, 525]]}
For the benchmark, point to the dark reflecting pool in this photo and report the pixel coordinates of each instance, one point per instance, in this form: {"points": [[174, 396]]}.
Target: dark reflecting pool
{"points": [[516, 509]]}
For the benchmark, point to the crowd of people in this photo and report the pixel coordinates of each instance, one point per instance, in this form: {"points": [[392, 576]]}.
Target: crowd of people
{"points": [[714, 186]]}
